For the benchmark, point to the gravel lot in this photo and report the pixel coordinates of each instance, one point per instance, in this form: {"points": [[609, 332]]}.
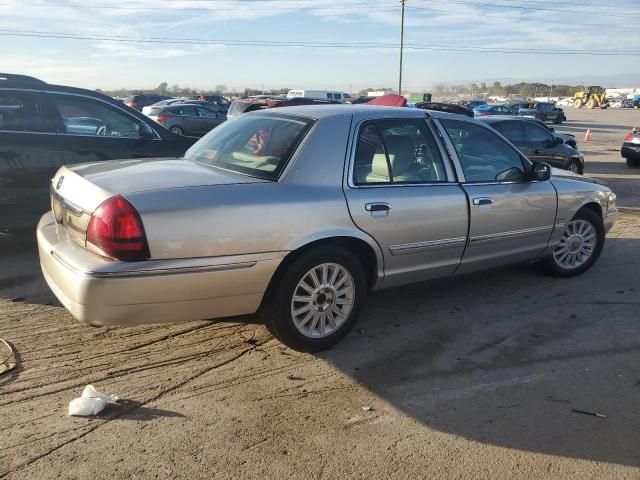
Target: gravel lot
{"points": [[468, 378]]}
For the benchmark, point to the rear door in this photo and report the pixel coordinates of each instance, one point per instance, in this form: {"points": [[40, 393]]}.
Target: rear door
{"points": [[209, 119], [92, 130], [402, 191], [29, 157], [190, 120], [511, 218]]}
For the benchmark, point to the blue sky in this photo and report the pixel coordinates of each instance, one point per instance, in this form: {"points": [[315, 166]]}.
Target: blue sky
{"points": [[123, 60]]}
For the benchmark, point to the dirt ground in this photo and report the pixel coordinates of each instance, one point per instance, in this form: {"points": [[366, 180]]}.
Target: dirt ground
{"points": [[466, 378]]}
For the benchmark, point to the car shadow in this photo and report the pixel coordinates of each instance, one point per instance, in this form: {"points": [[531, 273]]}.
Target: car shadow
{"points": [[133, 410], [504, 357]]}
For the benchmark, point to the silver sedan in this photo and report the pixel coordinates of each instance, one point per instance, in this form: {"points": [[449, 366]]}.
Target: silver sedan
{"points": [[299, 213]]}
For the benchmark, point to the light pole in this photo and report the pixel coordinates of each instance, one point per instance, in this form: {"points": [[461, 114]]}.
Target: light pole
{"points": [[402, 2]]}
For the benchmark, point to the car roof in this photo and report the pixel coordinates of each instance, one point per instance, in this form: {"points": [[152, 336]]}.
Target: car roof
{"points": [[358, 111]]}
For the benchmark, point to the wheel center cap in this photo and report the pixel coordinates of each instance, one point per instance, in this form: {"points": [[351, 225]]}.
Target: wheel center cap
{"points": [[574, 244], [323, 299]]}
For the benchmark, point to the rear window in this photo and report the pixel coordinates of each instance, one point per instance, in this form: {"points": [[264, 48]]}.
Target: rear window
{"points": [[237, 107], [256, 145]]}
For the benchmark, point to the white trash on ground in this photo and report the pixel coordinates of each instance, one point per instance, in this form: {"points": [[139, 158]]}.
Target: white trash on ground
{"points": [[91, 402]]}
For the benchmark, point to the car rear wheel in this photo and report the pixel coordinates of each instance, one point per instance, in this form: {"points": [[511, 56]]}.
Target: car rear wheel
{"points": [[633, 162], [316, 300], [579, 247], [176, 130]]}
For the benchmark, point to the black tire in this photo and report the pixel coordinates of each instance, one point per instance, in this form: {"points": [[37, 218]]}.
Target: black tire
{"points": [[276, 310], [552, 268], [633, 162], [176, 130], [558, 120], [575, 163]]}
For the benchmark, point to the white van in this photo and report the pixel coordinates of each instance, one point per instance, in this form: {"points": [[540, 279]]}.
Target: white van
{"points": [[319, 94]]}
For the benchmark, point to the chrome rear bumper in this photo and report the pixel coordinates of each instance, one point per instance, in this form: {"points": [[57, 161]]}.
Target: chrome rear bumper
{"points": [[102, 291]]}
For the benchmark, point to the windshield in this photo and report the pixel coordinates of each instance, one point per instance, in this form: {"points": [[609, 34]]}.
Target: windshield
{"points": [[256, 145]]}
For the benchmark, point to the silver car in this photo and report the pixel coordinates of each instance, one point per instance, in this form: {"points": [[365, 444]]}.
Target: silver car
{"points": [[299, 213]]}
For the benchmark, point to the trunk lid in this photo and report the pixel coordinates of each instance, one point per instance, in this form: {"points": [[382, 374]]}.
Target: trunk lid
{"points": [[77, 190]]}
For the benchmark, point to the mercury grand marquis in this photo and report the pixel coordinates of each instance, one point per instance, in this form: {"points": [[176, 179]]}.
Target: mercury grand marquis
{"points": [[299, 213]]}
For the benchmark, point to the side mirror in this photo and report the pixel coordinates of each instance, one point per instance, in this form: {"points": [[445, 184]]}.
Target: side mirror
{"points": [[146, 132], [540, 172], [551, 129]]}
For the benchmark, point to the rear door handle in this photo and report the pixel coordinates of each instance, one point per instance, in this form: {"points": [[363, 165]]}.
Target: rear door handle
{"points": [[377, 207], [482, 201]]}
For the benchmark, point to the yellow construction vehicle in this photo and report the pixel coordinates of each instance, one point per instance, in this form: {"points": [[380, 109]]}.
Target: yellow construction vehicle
{"points": [[592, 97]]}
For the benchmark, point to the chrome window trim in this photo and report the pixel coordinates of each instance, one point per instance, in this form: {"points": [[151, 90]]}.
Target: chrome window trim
{"points": [[115, 107], [353, 138], [451, 150], [29, 132]]}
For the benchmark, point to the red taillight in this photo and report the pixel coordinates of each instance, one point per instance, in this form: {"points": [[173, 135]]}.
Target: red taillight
{"points": [[133, 104], [163, 117], [629, 137], [115, 230]]}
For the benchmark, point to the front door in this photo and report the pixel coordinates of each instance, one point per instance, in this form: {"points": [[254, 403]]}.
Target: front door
{"points": [[402, 192], [511, 218], [542, 146]]}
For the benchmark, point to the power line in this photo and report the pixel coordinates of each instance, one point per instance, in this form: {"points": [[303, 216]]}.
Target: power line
{"points": [[461, 2], [306, 44], [294, 9], [521, 7]]}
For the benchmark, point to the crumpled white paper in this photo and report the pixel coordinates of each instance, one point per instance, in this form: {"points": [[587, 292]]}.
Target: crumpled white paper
{"points": [[91, 402]]}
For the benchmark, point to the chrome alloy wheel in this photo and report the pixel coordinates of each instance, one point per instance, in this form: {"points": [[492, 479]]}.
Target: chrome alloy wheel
{"points": [[576, 246], [573, 167], [322, 300]]}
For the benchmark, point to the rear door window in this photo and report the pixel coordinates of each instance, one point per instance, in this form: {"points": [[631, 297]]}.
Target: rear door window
{"points": [[21, 112], [187, 111], [397, 151]]}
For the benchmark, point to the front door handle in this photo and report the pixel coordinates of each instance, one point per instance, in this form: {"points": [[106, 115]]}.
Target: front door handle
{"points": [[482, 201]]}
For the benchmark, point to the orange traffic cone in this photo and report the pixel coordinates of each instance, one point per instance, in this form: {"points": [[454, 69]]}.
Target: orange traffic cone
{"points": [[587, 136]]}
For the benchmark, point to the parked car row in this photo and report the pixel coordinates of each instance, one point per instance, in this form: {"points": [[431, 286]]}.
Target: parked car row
{"points": [[544, 111]]}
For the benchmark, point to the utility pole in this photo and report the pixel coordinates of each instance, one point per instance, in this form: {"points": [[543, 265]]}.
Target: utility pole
{"points": [[402, 2]]}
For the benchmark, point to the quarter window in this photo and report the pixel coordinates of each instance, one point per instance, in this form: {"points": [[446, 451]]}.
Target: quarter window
{"points": [[82, 116], [397, 151], [20, 112], [484, 156]]}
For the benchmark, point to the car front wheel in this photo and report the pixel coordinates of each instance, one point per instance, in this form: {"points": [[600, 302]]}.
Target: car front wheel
{"points": [[316, 300], [579, 247], [574, 166], [176, 130]]}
